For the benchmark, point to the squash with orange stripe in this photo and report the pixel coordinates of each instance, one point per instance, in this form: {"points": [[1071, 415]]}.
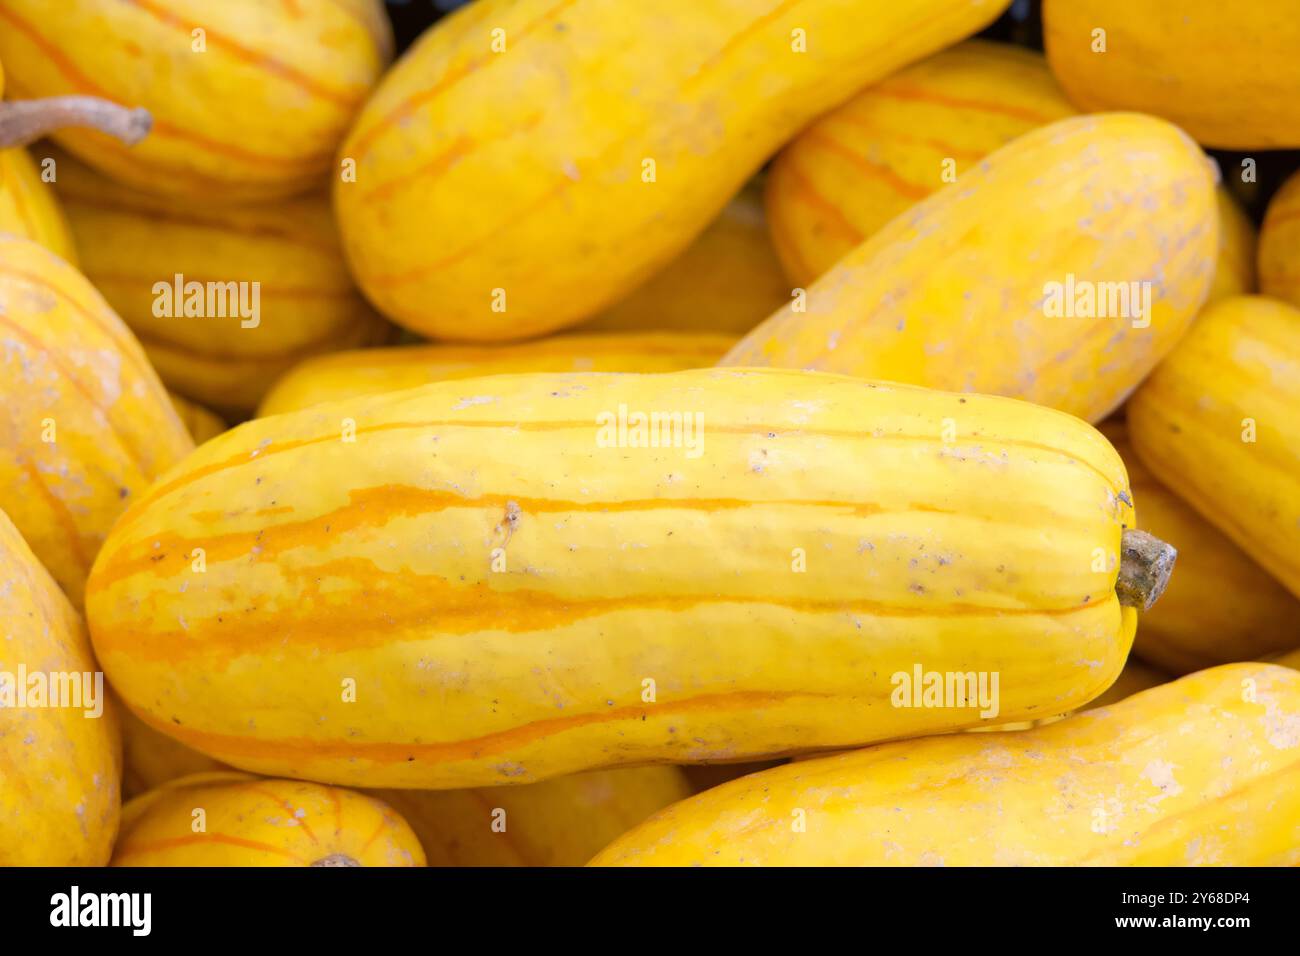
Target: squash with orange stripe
{"points": [[249, 99], [560, 822], [198, 421], [1225, 72], [370, 371], [1279, 244], [60, 760], [1203, 771], [86, 424], [1060, 270], [27, 204], [236, 819], [844, 177], [1221, 606], [150, 758], [728, 280], [506, 579], [28, 207], [284, 288], [485, 208], [1217, 424]]}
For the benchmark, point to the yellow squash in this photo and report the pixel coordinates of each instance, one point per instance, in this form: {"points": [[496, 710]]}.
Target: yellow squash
{"points": [[1279, 244], [1060, 270], [1225, 72], [727, 280], [28, 206], [502, 580], [86, 423], [1201, 771], [560, 822], [1135, 676], [528, 163], [1217, 424], [284, 290], [235, 819], [60, 766], [1220, 606], [370, 371], [249, 98], [199, 422], [848, 174], [150, 758]]}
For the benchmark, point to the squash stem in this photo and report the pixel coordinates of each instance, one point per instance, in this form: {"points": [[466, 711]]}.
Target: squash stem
{"points": [[336, 859], [1145, 566], [25, 121]]}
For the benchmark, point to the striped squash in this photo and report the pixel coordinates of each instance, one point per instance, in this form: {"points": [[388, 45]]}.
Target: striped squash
{"points": [[1217, 424], [198, 421], [59, 766], [249, 99], [848, 174], [560, 822], [1221, 606], [236, 819], [1201, 771], [1225, 72], [485, 208], [370, 371], [945, 295], [364, 576], [728, 280], [133, 244], [150, 758], [28, 207], [87, 423], [1279, 244]]}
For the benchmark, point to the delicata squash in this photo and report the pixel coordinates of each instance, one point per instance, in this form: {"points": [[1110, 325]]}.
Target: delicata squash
{"points": [[86, 422], [249, 99], [560, 822], [527, 163], [1201, 771], [405, 597], [236, 819], [61, 756], [900, 140], [1217, 424], [1060, 270], [369, 371]]}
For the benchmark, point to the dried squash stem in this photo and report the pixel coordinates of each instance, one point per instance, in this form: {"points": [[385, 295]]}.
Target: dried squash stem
{"points": [[1145, 566], [24, 121]]}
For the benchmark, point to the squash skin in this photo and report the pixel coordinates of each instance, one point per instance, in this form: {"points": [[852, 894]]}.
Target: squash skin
{"points": [[258, 115], [848, 174], [1279, 244], [728, 280], [198, 421], [939, 297], [343, 375], [256, 822], [73, 366], [921, 564], [1240, 361], [1226, 73], [308, 305], [1187, 773], [1220, 606], [59, 769], [28, 207], [560, 822], [150, 758], [514, 182]]}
